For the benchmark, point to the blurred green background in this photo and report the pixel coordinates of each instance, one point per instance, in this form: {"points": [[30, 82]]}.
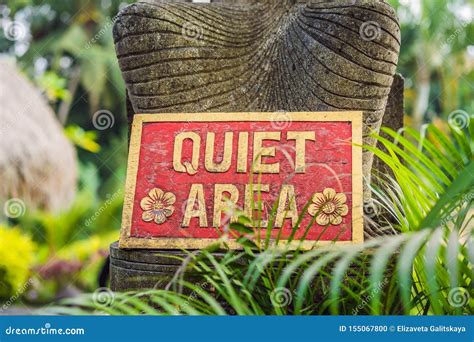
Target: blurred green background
{"points": [[66, 49]]}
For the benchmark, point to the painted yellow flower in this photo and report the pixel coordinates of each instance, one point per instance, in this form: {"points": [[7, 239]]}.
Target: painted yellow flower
{"points": [[157, 206], [329, 207]]}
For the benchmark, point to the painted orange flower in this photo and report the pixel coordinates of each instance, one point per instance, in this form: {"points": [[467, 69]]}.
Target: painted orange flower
{"points": [[329, 207], [157, 206]]}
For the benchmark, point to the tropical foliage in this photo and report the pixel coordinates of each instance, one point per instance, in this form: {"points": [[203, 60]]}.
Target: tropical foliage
{"points": [[436, 57], [16, 255], [425, 269], [66, 49]]}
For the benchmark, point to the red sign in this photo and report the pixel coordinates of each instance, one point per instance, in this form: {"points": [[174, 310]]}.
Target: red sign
{"points": [[190, 175]]}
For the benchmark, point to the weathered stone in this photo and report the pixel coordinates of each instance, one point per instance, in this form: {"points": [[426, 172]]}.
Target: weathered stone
{"points": [[254, 56], [260, 56], [392, 118], [137, 269], [144, 269]]}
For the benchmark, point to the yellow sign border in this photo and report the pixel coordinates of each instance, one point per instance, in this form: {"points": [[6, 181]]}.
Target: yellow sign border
{"points": [[128, 242]]}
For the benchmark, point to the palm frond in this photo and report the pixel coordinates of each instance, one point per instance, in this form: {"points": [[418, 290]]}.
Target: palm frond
{"points": [[427, 269]]}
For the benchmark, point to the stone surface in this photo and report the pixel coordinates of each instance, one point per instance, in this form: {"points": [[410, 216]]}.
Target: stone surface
{"points": [[139, 269], [254, 56], [260, 56], [143, 269], [392, 118]]}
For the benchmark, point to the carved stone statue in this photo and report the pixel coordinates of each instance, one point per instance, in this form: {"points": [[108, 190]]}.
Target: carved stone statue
{"points": [[255, 56], [270, 55]]}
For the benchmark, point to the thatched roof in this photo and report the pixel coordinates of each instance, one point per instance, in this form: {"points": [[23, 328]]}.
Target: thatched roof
{"points": [[37, 162]]}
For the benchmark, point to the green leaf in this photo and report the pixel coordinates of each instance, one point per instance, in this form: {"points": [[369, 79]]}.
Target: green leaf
{"points": [[453, 194]]}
